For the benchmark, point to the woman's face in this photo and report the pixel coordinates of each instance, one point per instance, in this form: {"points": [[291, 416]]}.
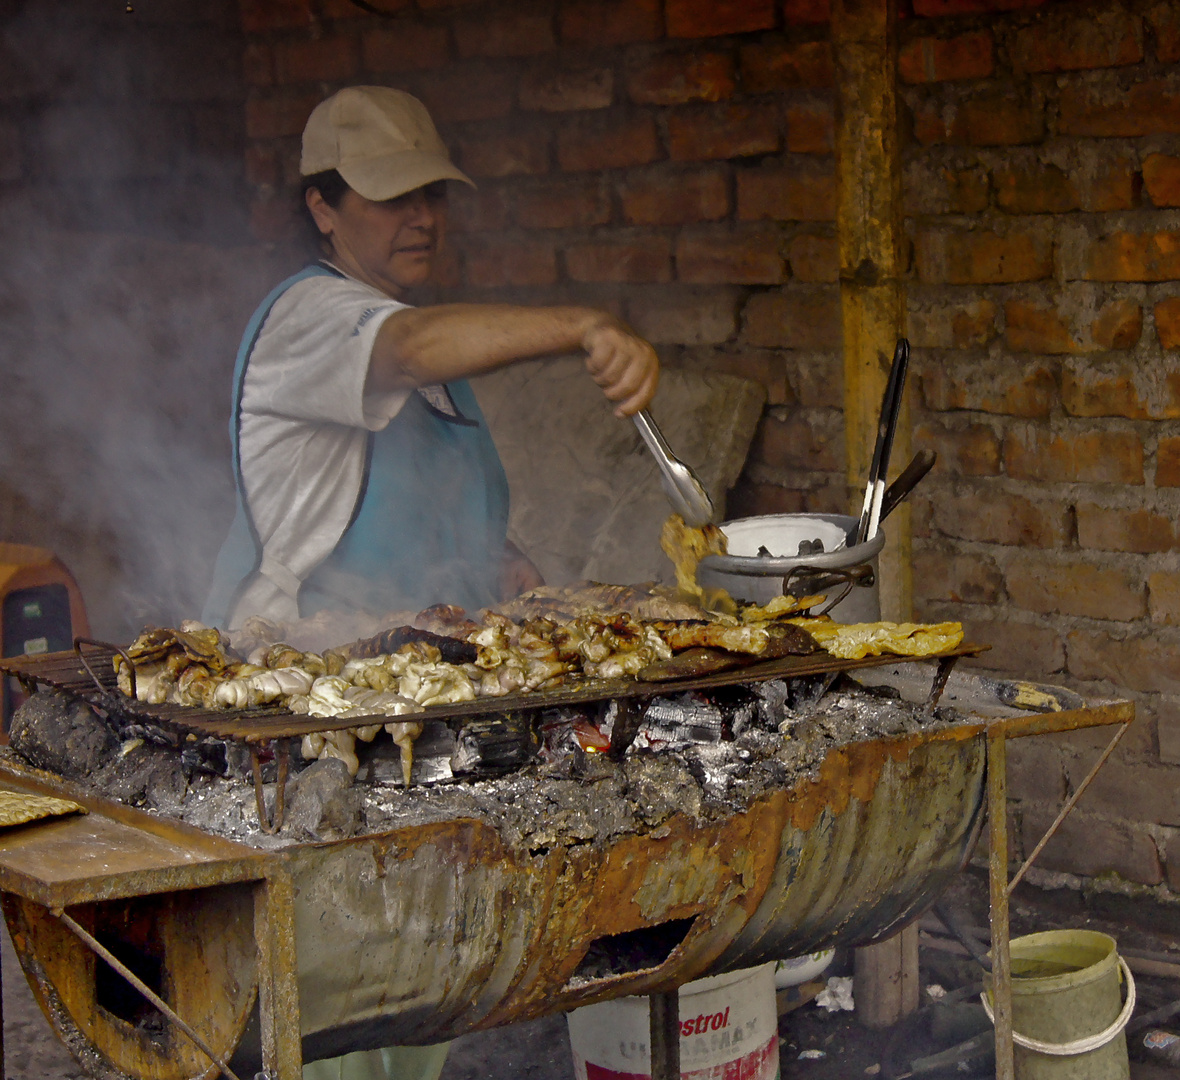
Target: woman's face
{"points": [[390, 245]]}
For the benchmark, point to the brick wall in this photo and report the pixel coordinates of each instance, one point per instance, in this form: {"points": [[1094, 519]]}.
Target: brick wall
{"points": [[672, 161]]}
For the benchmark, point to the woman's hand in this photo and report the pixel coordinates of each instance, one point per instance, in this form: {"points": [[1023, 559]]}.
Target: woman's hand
{"points": [[517, 574], [623, 364]]}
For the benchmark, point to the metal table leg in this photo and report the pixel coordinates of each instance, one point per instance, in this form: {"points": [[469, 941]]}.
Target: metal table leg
{"points": [[278, 985], [665, 1036], [997, 810]]}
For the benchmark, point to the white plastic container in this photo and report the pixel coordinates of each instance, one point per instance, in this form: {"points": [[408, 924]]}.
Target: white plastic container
{"points": [[728, 1027], [800, 969]]}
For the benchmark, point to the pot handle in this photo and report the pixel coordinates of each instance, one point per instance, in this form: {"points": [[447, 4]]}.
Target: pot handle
{"points": [[811, 580]]}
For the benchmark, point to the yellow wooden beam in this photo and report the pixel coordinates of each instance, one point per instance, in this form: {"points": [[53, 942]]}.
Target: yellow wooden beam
{"points": [[869, 222]]}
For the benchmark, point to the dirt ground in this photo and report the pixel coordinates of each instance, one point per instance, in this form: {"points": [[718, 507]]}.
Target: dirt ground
{"points": [[540, 1050]]}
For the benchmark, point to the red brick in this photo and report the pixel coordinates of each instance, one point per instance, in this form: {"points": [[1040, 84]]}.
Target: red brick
{"points": [[811, 129], [814, 259], [645, 258], [764, 366], [602, 23], [712, 18], [676, 78], [274, 116], [509, 32], [770, 67], [260, 16], [1003, 387], [610, 141], [1100, 39], [501, 262], [258, 64], [1017, 648], [1036, 770], [803, 439], [932, 59], [567, 89], [981, 257], [1123, 256], [958, 326], [1036, 329], [506, 154], [963, 449], [442, 5], [956, 576], [472, 92], [1035, 189], [1097, 592], [681, 317], [1164, 20], [1119, 529], [722, 131], [1112, 110], [999, 119], [1136, 791], [326, 59], [1130, 390], [726, 257], [996, 517], [1167, 322], [1089, 457], [755, 500], [1161, 179], [1167, 462], [1091, 846], [806, 11], [262, 166], [1167, 718], [561, 205], [793, 320], [674, 196], [1148, 663], [412, 46], [1113, 184], [1163, 601], [485, 210], [968, 7], [786, 194], [1172, 856], [1118, 325]]}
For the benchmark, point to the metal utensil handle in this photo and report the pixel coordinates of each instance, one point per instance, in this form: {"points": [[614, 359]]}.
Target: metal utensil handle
{"points": [[652, 435]]}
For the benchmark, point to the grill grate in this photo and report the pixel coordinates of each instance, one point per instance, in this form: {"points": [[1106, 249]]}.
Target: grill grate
{"points": [[63, 671]]}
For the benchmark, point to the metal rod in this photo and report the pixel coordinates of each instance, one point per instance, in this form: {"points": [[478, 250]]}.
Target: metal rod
{"points": [[1065, 810], [101, 950], [270, 824], [665, 1036], [997, 810]]}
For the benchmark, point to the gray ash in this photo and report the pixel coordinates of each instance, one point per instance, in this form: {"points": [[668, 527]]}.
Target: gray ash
{"points": [[705, 757]]}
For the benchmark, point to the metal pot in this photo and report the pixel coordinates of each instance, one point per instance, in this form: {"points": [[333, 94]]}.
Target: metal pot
{"points": [[746, 575]]}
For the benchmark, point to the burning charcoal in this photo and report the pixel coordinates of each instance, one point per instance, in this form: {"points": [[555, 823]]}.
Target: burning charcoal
{"points": [[772, 702], [148, 775], [322, 802], [62, 735], [811, 547], [493, 745], [807, 691], [681, 720]]}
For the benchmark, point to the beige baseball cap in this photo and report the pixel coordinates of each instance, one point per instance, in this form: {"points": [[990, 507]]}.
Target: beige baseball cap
{"points": [[381, 140]]}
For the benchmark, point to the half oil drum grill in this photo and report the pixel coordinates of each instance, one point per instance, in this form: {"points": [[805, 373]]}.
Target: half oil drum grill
{"points": [[426, 932]]}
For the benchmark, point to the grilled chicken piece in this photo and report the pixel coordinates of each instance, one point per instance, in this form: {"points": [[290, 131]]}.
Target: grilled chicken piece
{"points": [[696, 635]]}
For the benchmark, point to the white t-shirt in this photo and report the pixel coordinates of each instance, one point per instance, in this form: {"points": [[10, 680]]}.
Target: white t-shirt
{"points": [[305, 419]]}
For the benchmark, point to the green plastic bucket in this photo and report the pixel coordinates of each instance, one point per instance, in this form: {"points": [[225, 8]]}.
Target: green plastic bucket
{"points": [[1068, 1012]]}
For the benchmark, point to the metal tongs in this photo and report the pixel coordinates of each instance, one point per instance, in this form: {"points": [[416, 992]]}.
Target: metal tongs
{"points": [[684, 490], [870, 515]]}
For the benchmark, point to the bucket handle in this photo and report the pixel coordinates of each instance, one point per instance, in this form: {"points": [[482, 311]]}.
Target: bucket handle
{"points": [[1078, 1046]]}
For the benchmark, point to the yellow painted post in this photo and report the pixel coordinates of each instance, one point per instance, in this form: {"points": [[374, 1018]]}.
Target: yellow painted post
{"points": [[869, 224]]}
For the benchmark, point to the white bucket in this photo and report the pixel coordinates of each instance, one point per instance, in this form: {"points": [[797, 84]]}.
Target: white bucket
{"points": [[728, 1028], [796, 970]]}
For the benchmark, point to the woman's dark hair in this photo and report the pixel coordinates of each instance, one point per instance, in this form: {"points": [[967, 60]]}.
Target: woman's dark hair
{"points": [[332, 186]]}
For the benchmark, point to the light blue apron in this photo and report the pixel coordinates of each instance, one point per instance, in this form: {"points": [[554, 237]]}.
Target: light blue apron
{"points": [[429, 524]]}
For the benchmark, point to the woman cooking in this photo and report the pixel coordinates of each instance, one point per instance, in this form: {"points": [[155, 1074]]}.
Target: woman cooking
{"points": [[366, 477]]}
